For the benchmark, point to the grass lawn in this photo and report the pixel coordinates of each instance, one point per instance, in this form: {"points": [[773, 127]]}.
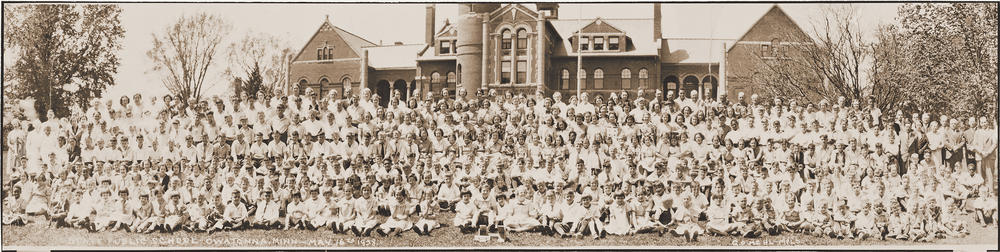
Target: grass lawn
{"points": [[40, 235]]}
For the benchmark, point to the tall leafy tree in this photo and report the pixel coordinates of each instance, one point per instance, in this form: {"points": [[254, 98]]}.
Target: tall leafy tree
{"points": [[66, 54], [954, 54], [185, 52], [890, 72]]}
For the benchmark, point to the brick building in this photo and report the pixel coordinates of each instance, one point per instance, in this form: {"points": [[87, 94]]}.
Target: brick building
{"points": [[513, 47]]}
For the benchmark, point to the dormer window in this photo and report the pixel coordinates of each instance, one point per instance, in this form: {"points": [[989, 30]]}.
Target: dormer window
{"points": [[598, 43], [584, 43], [613, 43]]}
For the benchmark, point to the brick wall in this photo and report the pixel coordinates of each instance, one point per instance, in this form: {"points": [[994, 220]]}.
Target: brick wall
{"points": [[334, 71], [612, 67]]}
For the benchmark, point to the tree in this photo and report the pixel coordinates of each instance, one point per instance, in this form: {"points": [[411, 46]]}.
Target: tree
{"points": [[184, 53], [66, 54], [266, 56], [252, 84], [954, 56], [828, 65], [890, 72]]}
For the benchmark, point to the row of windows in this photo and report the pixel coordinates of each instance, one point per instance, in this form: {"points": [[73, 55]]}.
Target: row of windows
{"points": [[506, 42], [775, 49], [324, 86], [626, 78], [324, 53], [520, 77], [600, 43], [708, 87], [436, 78], [436, 82], [509, 65]]}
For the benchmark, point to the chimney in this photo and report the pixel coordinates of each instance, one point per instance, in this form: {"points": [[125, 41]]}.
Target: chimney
{"points": [[657, 32], [551, 8], [429, 25]]}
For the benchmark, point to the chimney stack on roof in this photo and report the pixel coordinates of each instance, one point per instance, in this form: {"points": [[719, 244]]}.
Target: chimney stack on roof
{"points": [[657, 32], [429, 25]]}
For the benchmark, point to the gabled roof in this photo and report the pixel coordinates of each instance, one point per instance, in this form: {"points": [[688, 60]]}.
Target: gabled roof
{"points": [[355, 42], [640, 40], [517, 7], [599, 26], [448, 27], [774, 8], [393, 56]]}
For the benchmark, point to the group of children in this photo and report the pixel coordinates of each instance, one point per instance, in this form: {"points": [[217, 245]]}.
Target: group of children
{"points": [[501, 163]]}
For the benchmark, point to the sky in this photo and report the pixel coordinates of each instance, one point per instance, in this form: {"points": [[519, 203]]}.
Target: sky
{"points": [[404, 22]]}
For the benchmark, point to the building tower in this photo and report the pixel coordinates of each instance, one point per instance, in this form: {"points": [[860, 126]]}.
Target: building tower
{"points": [[469, 47]]}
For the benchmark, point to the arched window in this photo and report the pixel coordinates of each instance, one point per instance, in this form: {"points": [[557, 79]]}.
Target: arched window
{"points": [[626, 78], [672, 83], [346, 81], [522, 42], [598, 78], [324, 84], [690, 84], [302, 86], [583, 78], [505, 43], [435, 81], [643, 78], [564, 80]]}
